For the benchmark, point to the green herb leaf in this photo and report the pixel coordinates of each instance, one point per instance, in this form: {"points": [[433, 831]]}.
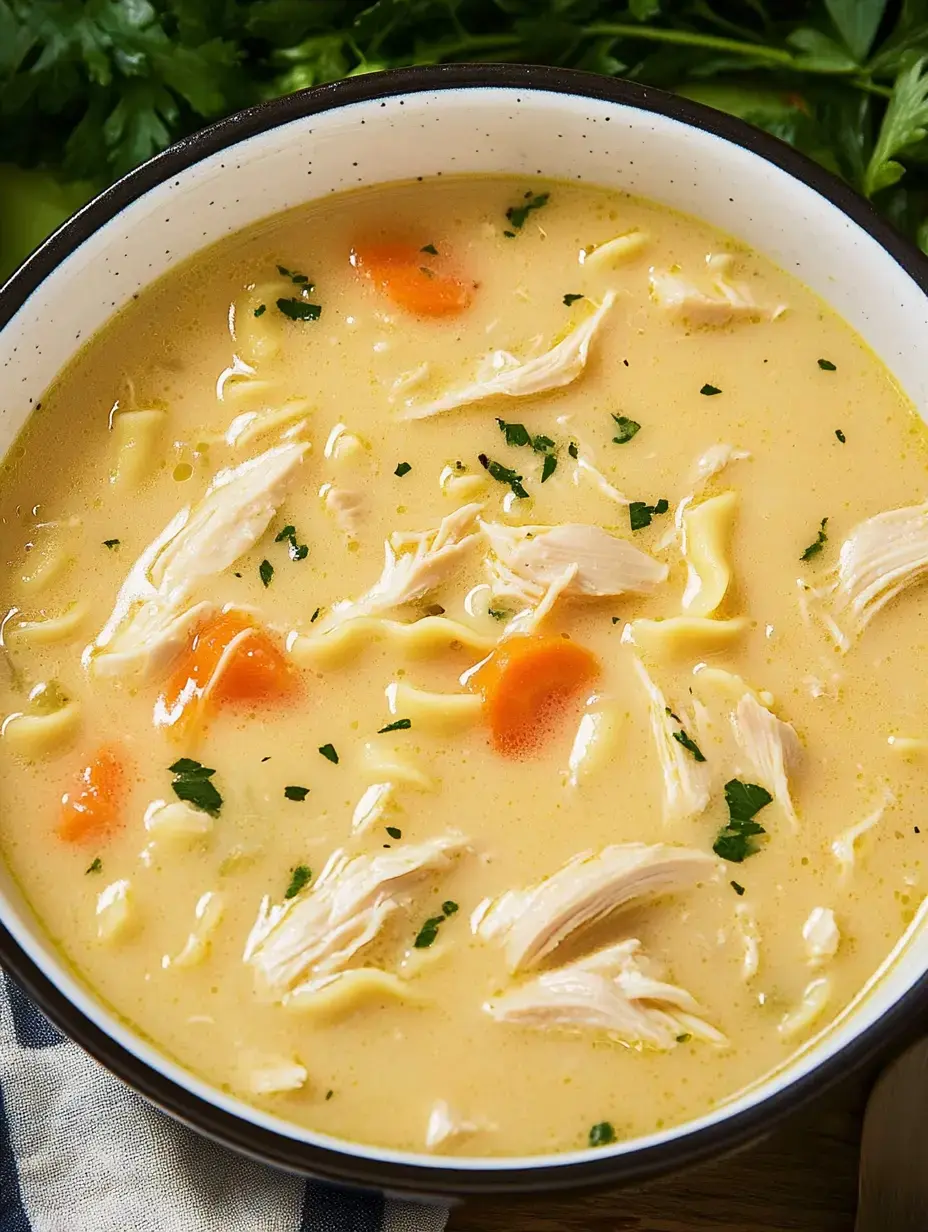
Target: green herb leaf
{"points": [[573, 449], [394, 832], [904, 126], [515, 433], [449, 907], [430, 249], [518, 214], [738, 889], [571, 298], [690, 745], [403, 468], [682, 1039], [744, 800], [328, 752], [299, 309], [396, 725], [627, 428], [111, 543], [548, 467], [814, 548], [601, 1134], [266, 572], [261, 310], [192, 783], [857, 22], [296, 793], [827, 366], [428, 932], [299, 877], [503, 474], [640, 513], [300, 279], [498, 613], [840, 435], [315, 616], [95, 866], [288, 532], [710, 390]]}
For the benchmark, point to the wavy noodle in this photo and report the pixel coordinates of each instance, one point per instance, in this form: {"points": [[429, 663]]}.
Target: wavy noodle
{"points": [[680, 637], [442, 713], [137, 437], [381, 763], [42, 735], [596, 740], [416, 639], [707, 534], [347, 991], [49, 629]]}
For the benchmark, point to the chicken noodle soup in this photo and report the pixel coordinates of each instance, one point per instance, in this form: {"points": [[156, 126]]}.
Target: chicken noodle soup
{"points": [[458, 680]]}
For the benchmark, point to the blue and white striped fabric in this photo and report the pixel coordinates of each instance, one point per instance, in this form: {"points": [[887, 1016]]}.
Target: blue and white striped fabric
{"points": [[80, 1152]]}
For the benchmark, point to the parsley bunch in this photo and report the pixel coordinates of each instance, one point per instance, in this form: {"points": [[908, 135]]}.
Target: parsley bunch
{"points": [[89, 88]]}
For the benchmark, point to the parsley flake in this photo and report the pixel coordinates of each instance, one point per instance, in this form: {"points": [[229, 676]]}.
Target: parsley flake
{"points": [[397, 725], [299, 309], [266, 571], [394, 832], [710, 390], [601, 1134], [261, 310], [299, 876], [573, 449], [571, 298], [111, 543], [682, 1039], [827, 366], [429, 930], [640, 513], [430, 249], [518, 214], [549, 466], [503, 474], [690, 745], [744, 800], [315, 616], [840, 435], [301, 280], [96, 866], [738, 889], [627, 428], [296, 793], [192, 783], [498, 613], [402, 469], [328, 752], [296, 551], [814, 548]]}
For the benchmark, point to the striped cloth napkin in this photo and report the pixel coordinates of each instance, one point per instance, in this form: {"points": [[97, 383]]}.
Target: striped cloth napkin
{"points": [[80, 1152]]}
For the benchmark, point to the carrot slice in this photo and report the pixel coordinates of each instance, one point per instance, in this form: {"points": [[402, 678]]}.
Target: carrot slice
{"points": [[527, 683], [229, 660], [413, 279], [92, 810]]}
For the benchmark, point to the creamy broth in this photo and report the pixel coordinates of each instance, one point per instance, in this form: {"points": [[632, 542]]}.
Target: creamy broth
{"points": [[833, 440]]}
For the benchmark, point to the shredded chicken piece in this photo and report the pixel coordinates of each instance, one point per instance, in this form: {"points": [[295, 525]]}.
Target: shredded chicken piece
{"points": [[770, 746], [606, 564], [750, 940], [724, 302], [533, 922], [585, 469], [551, 370], [713, 461], [815, 997], [346, 506], [686, 780], [821, 935], [609, 991], [414, 564], [321, 929], [844, 846], [879, 558], [154, 614], [272, 1075], [446, 1127]]}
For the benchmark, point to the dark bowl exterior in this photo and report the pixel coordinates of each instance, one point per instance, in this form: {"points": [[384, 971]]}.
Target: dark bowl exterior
{"points": [[413, 1180]]}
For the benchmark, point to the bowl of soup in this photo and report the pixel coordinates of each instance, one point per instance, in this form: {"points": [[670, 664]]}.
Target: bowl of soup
{"points": [[462, 535]]}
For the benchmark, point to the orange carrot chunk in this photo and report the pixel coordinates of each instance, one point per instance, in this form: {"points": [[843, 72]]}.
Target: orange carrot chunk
{"points": [[412, 278], [527, 684], [229, 660], [93, 808]]}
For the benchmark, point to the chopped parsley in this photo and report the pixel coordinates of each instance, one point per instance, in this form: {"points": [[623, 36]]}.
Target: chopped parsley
{"points": [[682, 1039], [315, 616], [709, 390], [266, 570], [111, 543], [328, 752], [498, 613], [429, 930], [96, 866], [601, 1134], [549, 466], [299, 876], [299, 309], [300, 279], [571, 298], [296, 793], [616, 619], [518, 214], [517, 434], [298, 551], [744, 800], [329, 1094], [510, 235], [402, 469], [640, 514], [261, 310], [738, 889], [394, 832], [827, 366], [690, 745], [503, 474], [814, 548], [397, 725], [573, 449], [430, 249], [627, 428], [840, 435], [192, 783]]}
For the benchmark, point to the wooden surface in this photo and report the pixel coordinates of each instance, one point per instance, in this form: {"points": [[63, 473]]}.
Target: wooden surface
{"points": [[803, 1178]]}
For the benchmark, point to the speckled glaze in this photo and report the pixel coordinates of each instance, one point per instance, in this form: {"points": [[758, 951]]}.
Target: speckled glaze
{"points": [[418, 123]]}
